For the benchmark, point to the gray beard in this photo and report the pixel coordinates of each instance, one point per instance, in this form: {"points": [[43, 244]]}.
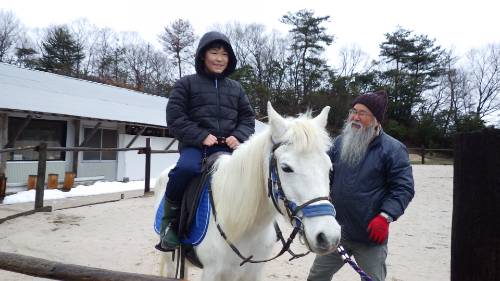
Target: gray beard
{"points": [[355, 142]]}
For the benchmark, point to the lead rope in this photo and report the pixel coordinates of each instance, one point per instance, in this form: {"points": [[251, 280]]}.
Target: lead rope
{"points": [[347, 259]]}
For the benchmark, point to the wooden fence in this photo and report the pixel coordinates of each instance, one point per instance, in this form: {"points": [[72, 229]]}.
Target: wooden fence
{"points": [[60, 271], [42, 163], [422, 151]]}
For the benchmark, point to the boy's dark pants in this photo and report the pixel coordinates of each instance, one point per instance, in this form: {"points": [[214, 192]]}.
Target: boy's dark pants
{"points": [[188, 166]]}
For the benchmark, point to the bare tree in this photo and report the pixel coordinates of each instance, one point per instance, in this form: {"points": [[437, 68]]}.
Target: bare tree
{"points": [[106, 58], [250, 44], [136, 56], [464, 100], [262, 60], [9, 31], [85, 34], [246, 40], [276, 61], [25, 54], [352, 60], [178, 39], [484, 77], [161, 75]]}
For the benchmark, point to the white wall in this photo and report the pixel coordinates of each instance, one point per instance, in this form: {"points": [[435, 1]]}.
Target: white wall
{"points": [[18, 171], [132, 165]]}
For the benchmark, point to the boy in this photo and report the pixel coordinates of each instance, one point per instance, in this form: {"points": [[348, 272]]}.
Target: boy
{"points": [[206, 112]]}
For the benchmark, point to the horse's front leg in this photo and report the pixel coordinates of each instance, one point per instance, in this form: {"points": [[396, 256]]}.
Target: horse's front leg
{"points": [[214, 274], [252, 272]]}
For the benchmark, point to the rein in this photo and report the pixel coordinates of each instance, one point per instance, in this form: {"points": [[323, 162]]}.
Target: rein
{"points": [[275, 191], [345, 256]]}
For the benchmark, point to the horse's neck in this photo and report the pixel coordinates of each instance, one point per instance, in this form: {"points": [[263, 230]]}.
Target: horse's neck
{"points": [[239, 188]]}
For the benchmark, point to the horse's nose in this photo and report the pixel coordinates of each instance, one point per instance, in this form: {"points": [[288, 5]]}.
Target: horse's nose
{"points": [[322, 241], [337, 242]]}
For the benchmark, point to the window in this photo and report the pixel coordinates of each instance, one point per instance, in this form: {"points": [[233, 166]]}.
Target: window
{"points": [[103, 138], [37, 131]]}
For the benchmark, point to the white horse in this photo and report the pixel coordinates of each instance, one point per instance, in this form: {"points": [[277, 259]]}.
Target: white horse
{"points": [[244, 210]]}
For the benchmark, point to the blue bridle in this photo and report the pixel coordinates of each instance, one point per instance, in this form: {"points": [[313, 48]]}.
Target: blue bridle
{"points": [[275, 191]]}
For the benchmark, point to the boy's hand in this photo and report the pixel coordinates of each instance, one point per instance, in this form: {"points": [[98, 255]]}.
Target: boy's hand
{"points": [[210, 140], [232, 142]]}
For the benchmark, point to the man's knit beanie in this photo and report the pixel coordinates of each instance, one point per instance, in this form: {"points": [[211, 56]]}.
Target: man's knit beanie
{"points": [[376, 103]]}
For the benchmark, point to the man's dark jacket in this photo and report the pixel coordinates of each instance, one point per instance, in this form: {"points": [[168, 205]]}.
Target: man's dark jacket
{"points": [[382, 182], [203, 104]]}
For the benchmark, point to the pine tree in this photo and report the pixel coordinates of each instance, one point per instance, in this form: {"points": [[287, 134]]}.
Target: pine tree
{"points": [[26, 57], [308, 41], [414, 66], [61, 53]]}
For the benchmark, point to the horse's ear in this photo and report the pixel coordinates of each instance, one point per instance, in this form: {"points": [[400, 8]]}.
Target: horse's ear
{"points": [[278, 124], [322, 118]]}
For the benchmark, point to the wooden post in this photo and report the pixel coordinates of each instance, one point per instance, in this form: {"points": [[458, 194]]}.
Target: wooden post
{"points": [[422, 153], [76, 125], [42, 167], [3, 142], [60, 271], [147, 169], [3, 186], [475, 233]]}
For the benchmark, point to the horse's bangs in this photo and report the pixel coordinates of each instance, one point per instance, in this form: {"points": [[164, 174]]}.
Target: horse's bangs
{"points": [[305, 135]]}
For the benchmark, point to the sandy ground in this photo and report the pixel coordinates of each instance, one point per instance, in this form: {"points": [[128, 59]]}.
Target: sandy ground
{"points": [[119, 236]]}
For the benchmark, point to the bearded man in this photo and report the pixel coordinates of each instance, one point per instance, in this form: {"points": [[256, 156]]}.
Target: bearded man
{"points": [[371, 185]]}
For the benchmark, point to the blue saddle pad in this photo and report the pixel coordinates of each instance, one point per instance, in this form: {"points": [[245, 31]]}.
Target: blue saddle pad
{"points": [[198, 227]]}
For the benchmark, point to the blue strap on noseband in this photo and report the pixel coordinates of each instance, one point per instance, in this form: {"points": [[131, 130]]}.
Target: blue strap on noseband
{"points": [[276, 193], [317, 210]]}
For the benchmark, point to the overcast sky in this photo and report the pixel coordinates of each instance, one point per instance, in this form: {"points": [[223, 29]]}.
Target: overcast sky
{"points": [[454, 24]]}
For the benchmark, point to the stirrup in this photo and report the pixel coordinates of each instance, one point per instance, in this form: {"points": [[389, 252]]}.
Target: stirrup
{"points": [[166, 250]]}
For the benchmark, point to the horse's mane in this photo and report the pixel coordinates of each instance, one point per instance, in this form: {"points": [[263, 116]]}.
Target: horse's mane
{"points": [[240, 180], [304, 135]]}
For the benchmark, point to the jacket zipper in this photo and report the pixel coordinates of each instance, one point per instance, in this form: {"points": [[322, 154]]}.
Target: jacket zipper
{"points": [[218, 108]]}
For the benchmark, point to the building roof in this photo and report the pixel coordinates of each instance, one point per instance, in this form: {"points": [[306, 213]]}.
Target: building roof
{"points": [[37, 91]]}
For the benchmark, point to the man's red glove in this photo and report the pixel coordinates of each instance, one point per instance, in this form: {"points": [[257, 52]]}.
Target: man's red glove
{"points": [[378, 229]]}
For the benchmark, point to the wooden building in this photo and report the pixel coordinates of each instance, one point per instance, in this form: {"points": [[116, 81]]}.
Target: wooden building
{"points": [[37, 106]]}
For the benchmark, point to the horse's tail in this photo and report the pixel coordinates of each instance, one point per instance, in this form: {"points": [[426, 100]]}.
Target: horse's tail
{"points": [[160, 186]]}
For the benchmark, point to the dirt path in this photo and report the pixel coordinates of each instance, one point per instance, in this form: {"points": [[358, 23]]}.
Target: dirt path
{"points": [[119, 236]]}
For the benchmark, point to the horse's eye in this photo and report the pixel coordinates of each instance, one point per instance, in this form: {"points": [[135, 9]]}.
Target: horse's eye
{"points": [[286, 168]]}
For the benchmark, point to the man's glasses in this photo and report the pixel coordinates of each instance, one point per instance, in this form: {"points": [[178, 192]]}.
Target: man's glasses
{"points": [[361, 113]]}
